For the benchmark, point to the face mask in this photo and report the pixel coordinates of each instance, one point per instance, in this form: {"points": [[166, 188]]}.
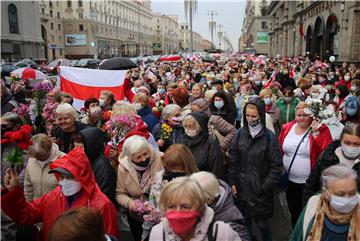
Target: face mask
{"points": [[136, 106], [344, 204], [142, 166], [161, 91], [313, 79], [176, 120], [213, 88], [182, 222], [347, 78], [321, 80], [218, 104], [191, 133], [337, 73], [235, 80], [353, 88], [95, 111], [258, 82], [168, 175], [253, 122], [267, 101], [350, 152], [287, 99], [315, 95], [350, 112], [328, 87], [101, 102], [69, 187]]}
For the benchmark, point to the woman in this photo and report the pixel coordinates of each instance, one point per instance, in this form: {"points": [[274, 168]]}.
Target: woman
{"points": [[196, 92], [205, 148], [187, 217], [220, 198], [334, 214], [138, 164], [285, 107], [106, 100], [301, 142], [218, 128], [171, 117], [180, 96], [140, 104], [345, 151], [220, 106], [178, 161], [351, 111], [341, 92], [254, 167], [92, 113], [37, 180], [67, 127]]}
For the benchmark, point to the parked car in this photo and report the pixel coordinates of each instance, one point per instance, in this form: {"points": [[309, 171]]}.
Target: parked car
{"points": [[73, 62], [22, 64], [26, 63], [51, 67], [88, 63], [6, 69]]}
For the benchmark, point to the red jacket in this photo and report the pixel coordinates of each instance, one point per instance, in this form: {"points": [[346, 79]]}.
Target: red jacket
{"points": [[49, 207], [127, 90], [317, 145]]}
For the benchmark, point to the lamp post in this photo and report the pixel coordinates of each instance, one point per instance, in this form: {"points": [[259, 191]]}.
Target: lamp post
{"points": [[294, 31], [93, 16], [212, 24]]}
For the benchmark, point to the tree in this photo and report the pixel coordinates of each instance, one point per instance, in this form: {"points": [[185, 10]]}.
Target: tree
{"points": [[190, 10]]}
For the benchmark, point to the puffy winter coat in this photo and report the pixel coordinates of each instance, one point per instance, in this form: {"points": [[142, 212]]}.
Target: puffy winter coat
{"points": [[227, 130], [254, 167], [94, 142], [148, 117], [49, 207], [224, 230], [37, 179], [326, 159]]}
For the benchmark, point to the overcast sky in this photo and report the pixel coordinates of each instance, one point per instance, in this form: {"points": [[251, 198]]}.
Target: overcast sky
{"points": [[230, 14]]}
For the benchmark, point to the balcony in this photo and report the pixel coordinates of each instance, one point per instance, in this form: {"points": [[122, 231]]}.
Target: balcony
{"points": [[44, 17]]}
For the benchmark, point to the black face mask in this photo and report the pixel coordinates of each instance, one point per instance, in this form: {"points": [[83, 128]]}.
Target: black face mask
{"points": [[144, 163], [168, 175]]}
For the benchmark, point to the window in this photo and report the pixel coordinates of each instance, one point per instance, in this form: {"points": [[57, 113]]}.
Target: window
{"points": [[43, 11], [50, 4], [80, 4], [81, 15], [52, 38], [60, 39], [52, 26], [81, 27], [69, 3], [13, 19], [60, 50], [264, 25], [59, 26], [58, 15], [51, 13]]}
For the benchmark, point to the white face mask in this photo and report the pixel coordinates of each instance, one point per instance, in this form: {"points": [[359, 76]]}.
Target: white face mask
{"points": [[101, 102], [95, 111], [267, 101], [344, 204], [69, 187], [136, 106], [347, 78], [314, 95], [353, 88], [191, 133], [350, 152]]}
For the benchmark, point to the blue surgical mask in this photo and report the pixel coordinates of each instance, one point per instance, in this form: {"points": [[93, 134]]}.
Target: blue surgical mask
{"points": [[161, 91], [267, 101], [344, 204], [351, 111], [219, 104]]}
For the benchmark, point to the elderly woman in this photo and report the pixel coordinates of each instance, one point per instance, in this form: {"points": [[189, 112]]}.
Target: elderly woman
{"points": [[345, 151], [106, 100], [301, 142], [140, 104], [186, 215], [171, 117], [219, 197], [271, 119], [138, 164], [205, 148], [67, 127], [218, 128], [334, 214], [196, 92], [37, 180]]}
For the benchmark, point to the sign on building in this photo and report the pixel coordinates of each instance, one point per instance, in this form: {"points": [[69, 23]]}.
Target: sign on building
{"points": [[75, 39], [262, 37]]}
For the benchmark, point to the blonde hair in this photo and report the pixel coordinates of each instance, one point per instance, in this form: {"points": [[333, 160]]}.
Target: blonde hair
{"points": [[179, 187], [141, 98], [179, 155], [41, 146], [265, 92], [122, 108], [301, 105], [209, 94], [209, 184]]}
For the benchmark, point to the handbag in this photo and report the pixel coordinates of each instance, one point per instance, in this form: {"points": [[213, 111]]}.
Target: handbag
{"points": [[284, 177]]}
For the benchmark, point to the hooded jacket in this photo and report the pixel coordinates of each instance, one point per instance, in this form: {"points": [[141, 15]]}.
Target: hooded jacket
{"points": [[49, 207], [148, 117], [94, 141], [205, 148], [254, 167], [225, 210]]}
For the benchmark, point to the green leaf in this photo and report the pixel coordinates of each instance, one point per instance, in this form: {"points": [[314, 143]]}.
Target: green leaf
{"points": [[15, 157]]}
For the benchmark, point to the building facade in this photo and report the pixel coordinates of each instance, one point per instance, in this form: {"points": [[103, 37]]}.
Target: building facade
{"points": [[184, 39], [254, 33], [166, 34], [317, 28], [21, 30]]}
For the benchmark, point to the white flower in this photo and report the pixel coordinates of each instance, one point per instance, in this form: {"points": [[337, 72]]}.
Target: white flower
{"points": [[307, 111]]}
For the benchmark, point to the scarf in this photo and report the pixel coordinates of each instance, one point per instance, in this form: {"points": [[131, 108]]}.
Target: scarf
{"points": [[324, 209], [254, 130]]}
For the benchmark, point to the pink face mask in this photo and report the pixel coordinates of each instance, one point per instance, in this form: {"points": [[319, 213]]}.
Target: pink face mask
{"points": [[182, 222]]}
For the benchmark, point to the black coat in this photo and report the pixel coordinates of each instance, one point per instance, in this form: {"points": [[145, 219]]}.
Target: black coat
{"points": [[176, 136], [205, 149], [8, 104], [254, 167], [326, 159], [94, 142]]}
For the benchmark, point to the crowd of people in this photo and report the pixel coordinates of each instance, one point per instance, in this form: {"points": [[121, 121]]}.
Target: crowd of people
{"points": [[194, 151]]}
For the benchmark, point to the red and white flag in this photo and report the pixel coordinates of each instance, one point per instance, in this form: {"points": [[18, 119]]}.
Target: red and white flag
{"points": [[83, 83]]}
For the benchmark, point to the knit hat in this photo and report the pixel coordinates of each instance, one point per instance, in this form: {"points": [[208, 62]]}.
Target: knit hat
{"points": [[202, 103]]}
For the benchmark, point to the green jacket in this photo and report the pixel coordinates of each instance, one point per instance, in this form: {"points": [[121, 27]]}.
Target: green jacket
{"points": [[287, 111]]}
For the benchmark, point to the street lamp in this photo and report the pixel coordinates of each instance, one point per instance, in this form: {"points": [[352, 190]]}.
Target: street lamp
{"points": [[212, 24], [93, 16]]}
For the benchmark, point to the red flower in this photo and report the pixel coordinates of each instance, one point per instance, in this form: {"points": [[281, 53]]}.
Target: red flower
{"points": [[106, 115], [23, 145]]}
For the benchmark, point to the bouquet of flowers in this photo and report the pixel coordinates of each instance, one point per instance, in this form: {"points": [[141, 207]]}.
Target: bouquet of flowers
{"points": [[316, 108], [49, 115], [147, 211], [166, 131], [40, 91], [14, 78], [21, 139], [119, 127], [23, 112]]}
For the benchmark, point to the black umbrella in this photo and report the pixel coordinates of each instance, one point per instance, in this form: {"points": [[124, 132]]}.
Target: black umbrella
{"points": [[118, 63]]}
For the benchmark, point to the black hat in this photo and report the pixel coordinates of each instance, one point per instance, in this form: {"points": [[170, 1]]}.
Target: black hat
{"points": [[60, 170], [217, 82]]}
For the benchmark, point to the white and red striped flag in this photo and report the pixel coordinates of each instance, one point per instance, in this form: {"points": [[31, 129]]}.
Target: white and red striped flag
{"points": [[83, 83]]}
